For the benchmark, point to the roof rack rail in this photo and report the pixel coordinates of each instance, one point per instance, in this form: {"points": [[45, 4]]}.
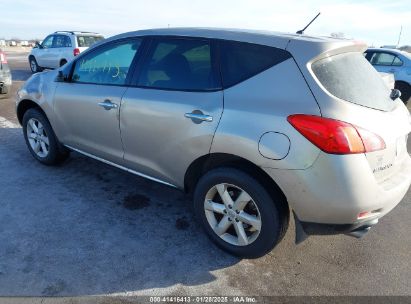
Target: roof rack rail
{"points": [[74, 32], [64, 32]]}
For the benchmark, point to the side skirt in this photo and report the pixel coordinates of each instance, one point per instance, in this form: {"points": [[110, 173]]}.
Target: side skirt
{"points": [[121, 167]]}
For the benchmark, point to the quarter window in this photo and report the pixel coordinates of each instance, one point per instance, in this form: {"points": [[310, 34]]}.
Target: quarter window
{"points": [[240, 60], [87, 41], [179, 64], [397, 62], [108, 65]]}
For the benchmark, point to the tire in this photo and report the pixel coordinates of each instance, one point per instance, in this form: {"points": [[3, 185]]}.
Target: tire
{"points": [[405, 90], [63, 62], [260, 238], [42, 143], [34, 67]]}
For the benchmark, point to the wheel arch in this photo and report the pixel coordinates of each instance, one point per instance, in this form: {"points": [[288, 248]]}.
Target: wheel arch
{"points": [[407, 93], [26, 105], [402, 82], [217, 160]]}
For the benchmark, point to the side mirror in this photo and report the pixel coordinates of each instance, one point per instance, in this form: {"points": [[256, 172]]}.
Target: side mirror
{"points": [[62, 76], [395, 94], [37, 45]]}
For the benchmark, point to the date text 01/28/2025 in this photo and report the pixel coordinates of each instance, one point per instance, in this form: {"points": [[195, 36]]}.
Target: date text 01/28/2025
{"points": [[202, 299]]}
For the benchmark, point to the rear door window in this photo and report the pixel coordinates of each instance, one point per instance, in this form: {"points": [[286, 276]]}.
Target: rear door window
{"points": [[240, 60], [180, 64], [61, 41], [384, 59], [349, 76]]}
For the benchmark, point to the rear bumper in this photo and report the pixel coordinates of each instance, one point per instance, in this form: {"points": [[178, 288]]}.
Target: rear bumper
{"points": [[328, 197], [330, 229], [5, 81], [4, 88]]}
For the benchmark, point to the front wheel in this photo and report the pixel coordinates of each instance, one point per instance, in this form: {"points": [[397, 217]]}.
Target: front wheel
{"points": [[41, 140], [238, 213], [34, 67]]}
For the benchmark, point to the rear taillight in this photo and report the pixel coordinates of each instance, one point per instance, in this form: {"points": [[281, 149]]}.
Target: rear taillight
{"points": [[334, 136], [76, 52], [3, 58]]}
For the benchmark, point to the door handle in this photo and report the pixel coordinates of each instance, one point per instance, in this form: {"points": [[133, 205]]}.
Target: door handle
{"points": [[198, 116], [108, 105]]}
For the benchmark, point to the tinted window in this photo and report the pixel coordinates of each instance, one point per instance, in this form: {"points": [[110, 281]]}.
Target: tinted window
{"points": [[106, 65], [67, 41], [240, 61], [350, 77], [48, 42], [87, 41], [179, 64], [61, 41]]}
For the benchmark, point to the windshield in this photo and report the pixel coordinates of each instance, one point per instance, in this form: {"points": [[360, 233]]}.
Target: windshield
{"points": [[87, 41], [351, 77]]}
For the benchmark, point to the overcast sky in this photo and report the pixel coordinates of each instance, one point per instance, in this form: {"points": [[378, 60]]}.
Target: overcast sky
{"points": [[376, 22]]}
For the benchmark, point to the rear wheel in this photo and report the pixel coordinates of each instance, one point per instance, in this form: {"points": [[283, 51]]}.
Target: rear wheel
{"points": [[41, 140], [405, 90], [35, 68], [238, 214]]}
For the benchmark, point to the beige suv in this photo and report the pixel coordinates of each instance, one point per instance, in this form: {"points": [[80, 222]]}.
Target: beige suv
{"points": [[254, 124]]}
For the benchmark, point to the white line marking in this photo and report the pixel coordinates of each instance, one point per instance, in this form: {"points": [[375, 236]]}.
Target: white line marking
{"points": [[7, 124]]}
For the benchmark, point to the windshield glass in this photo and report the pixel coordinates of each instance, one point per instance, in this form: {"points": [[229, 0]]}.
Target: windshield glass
{"points": [[87, 41], [351, 77]]}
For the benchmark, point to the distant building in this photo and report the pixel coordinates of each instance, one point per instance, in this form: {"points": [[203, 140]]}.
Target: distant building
{"points": [[406, 48], [389, 46], [2, 42]]}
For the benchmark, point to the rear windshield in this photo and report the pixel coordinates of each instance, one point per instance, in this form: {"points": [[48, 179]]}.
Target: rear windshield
{"points": [[351, 77], [87, 41]]}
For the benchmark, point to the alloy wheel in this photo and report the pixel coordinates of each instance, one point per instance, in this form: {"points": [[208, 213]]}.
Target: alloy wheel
{"points": [[232, 214], [37, 137]]}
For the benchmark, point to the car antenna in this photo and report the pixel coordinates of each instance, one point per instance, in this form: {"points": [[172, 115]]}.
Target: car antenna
{"points": [[300, 32]]}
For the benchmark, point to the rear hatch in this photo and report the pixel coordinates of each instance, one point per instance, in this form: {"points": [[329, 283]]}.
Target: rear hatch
{"points": [[359, 96]]}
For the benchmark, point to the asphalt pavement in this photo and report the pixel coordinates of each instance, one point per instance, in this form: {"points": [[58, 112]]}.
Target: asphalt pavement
{"points": [[85, 228]]}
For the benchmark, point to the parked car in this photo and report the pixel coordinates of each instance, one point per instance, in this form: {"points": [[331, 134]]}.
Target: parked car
{"points": [[59, 48], [5, 75], [253, 124], [395, 62]]}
